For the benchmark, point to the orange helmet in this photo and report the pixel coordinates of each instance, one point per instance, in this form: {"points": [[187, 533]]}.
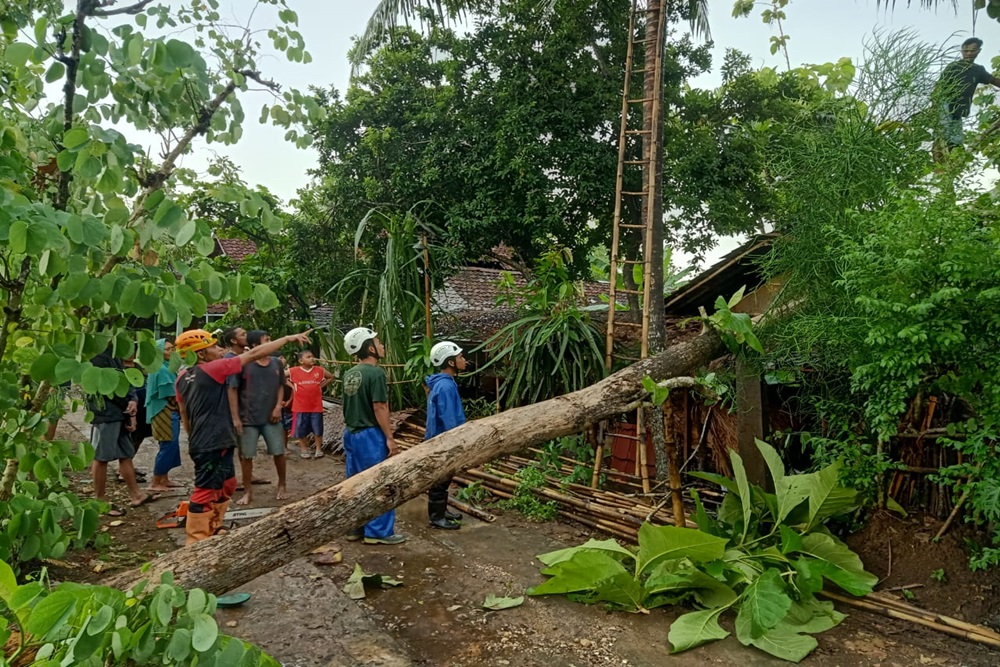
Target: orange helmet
{"points": [[194, 340]]}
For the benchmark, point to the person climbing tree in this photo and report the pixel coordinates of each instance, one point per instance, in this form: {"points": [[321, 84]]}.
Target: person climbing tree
{"points": [[444, 412], [203, 400], [367, 433], [953, 96]]}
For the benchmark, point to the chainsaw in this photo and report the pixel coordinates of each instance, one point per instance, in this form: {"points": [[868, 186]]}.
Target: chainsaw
{"points": [[176, 518]]}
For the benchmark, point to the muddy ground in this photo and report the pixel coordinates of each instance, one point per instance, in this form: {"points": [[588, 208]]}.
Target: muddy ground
{"points": [[300, 615]]}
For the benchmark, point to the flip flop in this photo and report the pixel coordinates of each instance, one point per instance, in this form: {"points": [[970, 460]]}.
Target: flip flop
{"points": [[318, 455], [305, 455], [258, 482], [231, 600], [116, 511], [149, 497]]}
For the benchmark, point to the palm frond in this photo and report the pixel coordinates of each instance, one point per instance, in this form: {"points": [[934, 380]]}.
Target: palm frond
{"points": [[387, 15], [925, 4]]}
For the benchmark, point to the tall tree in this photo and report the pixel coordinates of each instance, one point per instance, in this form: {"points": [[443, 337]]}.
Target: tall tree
{"points": [[91, 224]]}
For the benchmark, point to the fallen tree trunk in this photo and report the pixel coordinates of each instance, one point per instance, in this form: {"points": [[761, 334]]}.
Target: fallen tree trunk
{"points": [[222, 563]]}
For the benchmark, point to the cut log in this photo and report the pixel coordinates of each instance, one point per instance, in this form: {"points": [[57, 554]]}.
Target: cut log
{"points": [[220, 564]]}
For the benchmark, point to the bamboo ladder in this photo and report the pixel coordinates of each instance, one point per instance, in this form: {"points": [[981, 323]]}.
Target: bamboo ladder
{"points": [[649, 139]]}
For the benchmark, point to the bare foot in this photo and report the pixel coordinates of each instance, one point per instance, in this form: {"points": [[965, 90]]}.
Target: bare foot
{"points": [[282, 494], [245, 500]]}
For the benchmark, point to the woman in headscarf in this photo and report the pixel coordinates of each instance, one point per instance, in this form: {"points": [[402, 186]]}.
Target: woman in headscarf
{"points": [[162, 414]]}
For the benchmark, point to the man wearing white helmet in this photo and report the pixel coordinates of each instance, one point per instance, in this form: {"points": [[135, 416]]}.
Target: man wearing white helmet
{"points": [[444, 412], [367, 434]]}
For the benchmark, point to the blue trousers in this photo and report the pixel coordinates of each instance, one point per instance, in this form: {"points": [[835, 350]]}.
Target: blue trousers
{"points": [[364, 450], [169, 456]]}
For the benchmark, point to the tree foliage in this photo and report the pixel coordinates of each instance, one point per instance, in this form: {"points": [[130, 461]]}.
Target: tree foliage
{"points": [[94, 235]]}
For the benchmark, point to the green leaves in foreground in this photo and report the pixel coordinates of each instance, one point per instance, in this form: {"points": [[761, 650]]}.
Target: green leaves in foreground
{"points": [[355, 586], [764, 557], [82, 624]]}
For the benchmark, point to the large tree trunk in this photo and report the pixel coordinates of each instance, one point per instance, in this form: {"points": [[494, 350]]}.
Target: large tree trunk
{"points": [[222, 563]]}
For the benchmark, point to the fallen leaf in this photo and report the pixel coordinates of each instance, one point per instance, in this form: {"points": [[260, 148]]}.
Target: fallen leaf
{"points": [[454, 607], [497, 603], [328, 558], [231, 624], [100, 567], [355, 586], [332, 546], [115, 524]]}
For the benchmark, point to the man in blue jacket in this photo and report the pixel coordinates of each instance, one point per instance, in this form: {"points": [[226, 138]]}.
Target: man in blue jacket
{"points": [[444, 412]]}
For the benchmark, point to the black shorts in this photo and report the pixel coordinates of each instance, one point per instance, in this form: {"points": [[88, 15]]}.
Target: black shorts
{"points": [[212, 469]]}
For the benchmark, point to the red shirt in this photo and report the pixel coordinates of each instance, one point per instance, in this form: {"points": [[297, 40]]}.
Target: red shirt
{"points": [[308, 389]]}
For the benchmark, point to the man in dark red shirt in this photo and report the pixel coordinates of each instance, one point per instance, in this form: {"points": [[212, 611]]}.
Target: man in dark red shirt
{"points": [[203, 400]]}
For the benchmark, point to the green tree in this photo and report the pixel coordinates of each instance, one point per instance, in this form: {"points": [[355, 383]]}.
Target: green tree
{"points": [[91, 226]]}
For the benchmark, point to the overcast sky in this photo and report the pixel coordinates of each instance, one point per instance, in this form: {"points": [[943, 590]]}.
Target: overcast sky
{"points": [[820, 30]]}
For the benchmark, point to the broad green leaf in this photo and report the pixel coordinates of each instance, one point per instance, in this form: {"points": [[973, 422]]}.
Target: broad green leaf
{"points": [[609, 545], [773, 460], [18, 236], [8, 583], [495, 603], [782, 641], [48, 616], [893, 506], [791, 541], [583, 572], [135, 377], [204, 633], [839, 564], [197, 601], [264, 299], [694, 629], [716, 478], [706, 524], [659, 543], [764, 602], [682, 576], [65, 370], [823, 484], [793, 490], [43, 367], [743, 484], [812, 616], [186, 233], [75, 138], [622, 591], [179, 647], [101, 620], [17, 54]]}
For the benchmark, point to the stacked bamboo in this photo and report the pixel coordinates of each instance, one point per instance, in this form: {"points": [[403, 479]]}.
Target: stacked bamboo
{"points": [[618, 514]]}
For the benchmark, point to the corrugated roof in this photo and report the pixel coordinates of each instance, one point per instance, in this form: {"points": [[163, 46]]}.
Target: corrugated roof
{"points": [[724, 278], [474, 289]]}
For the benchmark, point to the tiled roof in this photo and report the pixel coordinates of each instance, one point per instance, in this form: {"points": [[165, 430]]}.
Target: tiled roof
{"points": [[475, 289], [217, 308], [235, 249]]}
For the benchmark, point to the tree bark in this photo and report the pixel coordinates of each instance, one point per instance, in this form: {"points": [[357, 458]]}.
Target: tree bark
{"points": [[653, 175], [221, 563]]}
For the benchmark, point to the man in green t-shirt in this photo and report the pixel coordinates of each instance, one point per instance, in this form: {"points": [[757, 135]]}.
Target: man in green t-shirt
{"points": [[367, 434]]}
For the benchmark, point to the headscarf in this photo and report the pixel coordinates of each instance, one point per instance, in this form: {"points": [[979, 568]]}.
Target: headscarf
{"points": [[159, 386]]}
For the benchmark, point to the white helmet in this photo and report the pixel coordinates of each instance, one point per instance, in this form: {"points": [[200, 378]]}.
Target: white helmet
{"points": [[442, 351], [357, 337]]}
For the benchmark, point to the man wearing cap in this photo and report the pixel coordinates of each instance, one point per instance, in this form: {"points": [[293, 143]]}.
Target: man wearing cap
{"points": [[444, 412], [367, 434], [953, 94], [203, 402]]}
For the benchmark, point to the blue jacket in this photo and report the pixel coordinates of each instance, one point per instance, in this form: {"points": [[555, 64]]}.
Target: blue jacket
{"points": [[444, 406]]}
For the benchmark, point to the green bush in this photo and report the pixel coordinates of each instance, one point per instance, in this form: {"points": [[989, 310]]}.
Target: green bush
{"points": [[87, 625], [765, 556]]}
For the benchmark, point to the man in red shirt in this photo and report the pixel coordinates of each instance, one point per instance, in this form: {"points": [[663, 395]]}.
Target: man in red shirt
{"points": [[203, 401], [307, 402]]}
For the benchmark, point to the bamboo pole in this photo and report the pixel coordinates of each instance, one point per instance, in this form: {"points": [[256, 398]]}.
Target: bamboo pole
{"points": [[970, 632], [598, 460], [673, 465], [471, 510], [427, 288]]}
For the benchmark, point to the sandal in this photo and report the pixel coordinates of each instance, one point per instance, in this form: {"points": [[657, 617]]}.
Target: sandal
{"points": [[318, 455], [305, 455], [148, 498], [116, 511]]}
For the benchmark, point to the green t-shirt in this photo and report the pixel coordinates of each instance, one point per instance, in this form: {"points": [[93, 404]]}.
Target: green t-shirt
{"points": [[364, 384]]}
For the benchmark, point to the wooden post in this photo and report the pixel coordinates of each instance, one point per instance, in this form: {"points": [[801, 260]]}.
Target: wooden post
{"points": [[750, 423], [428, 332], [673, 463], [598, 456]]}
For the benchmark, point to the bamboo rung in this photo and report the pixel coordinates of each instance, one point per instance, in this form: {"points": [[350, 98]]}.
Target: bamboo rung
{"points": [[640, 193], [637, 131], [630, 226], [641, 100]]}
